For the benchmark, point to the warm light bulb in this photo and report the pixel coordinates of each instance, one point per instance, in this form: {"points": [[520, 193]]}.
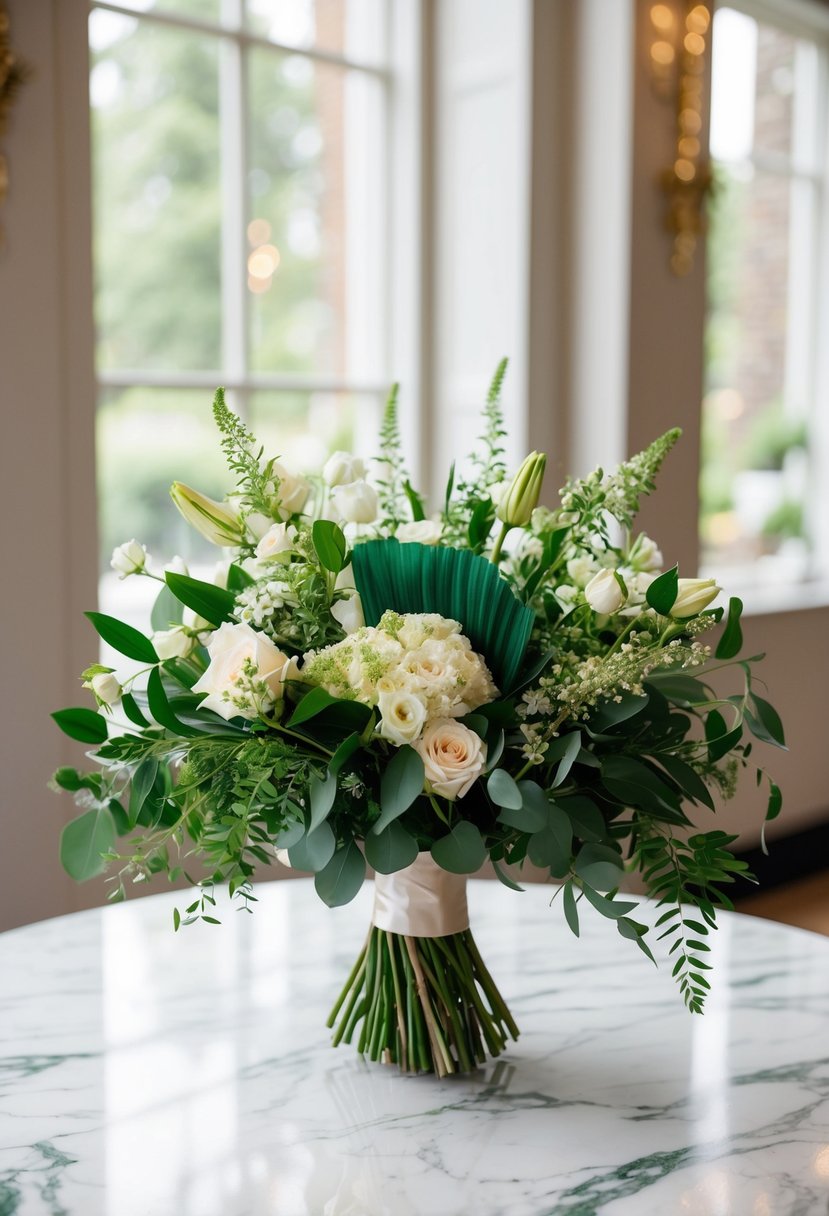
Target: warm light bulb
{"points": [[688, 147], [698, 19], [259, 232], [263, 261], [257, 286], [662, 17], [684, 170], [662, 52], [694, 44], [690, 121]]}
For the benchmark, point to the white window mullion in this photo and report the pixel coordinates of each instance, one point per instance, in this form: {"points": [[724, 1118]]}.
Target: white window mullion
{"points": [[232, 140]]}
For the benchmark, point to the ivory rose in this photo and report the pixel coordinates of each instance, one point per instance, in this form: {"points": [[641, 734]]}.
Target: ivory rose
{"points": [[453, 757], [245, 674], [402, 716], [341, 468], [356, 502], [420, 531], [278, 539]]}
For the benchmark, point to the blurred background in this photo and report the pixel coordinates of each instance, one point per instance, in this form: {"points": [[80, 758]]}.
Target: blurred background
{"points": [[303, 200]]}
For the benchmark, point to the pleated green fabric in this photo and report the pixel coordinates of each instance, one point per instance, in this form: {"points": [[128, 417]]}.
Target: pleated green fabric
{"points": [[454, 583]]}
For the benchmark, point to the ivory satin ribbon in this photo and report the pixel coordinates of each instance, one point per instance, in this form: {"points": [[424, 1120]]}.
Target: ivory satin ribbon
{"points": [[421, 901]]}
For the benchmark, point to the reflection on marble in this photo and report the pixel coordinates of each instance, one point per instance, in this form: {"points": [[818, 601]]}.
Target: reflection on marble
{"points": [[146, 1072]]}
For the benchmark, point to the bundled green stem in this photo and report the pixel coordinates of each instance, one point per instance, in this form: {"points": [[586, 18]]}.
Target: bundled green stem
{"points": [[427, 1004]]}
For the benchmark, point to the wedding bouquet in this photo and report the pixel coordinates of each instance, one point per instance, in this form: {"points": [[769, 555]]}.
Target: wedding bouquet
{"points": [[367, 684]]}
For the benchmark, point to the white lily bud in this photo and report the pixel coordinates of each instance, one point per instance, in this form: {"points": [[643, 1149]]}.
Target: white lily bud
{"points": [[603, 593], [129, 558], [694, 594], [521, 495], [214, 520]]}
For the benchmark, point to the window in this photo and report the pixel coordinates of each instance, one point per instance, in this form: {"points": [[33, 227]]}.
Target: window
{"points": [[761, 487], [239, 230]]}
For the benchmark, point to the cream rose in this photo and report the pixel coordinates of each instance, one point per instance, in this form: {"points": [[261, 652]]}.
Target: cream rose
{"points": [[453, 757], [402, 716], [420, 531], [278, 539], [245, 676], [292, 493]]}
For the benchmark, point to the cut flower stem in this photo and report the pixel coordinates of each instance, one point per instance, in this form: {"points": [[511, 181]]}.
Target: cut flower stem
{"points": [[427, 1004]]}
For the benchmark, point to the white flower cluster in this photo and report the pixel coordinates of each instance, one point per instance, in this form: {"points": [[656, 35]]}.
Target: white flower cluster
{"points": [[415, 668], [258, 604]]}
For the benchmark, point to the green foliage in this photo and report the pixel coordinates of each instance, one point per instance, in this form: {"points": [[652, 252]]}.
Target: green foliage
{"points": [[468, 508], [213, 603], [678, 872], [393, 478], [255, 478], [462, 851], [84, 725], [401, 783]]}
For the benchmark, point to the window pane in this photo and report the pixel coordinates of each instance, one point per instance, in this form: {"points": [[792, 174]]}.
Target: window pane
{"points": [[303, 429], [154, 92], [147, 439], [315, 228], [761, 330], [353, 28], [204, 10]]}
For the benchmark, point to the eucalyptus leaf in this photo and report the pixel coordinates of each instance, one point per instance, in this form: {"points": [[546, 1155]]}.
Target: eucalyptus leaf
{"points": [[769, 721], [553, 845], [322, 793], [461, 852], [571, 911], [391, 850], [503, 877], [400, 784], [503, 790], [599, 866], [342, 878], [83, 840], [314, 851], [344, 753], [585, 817]]}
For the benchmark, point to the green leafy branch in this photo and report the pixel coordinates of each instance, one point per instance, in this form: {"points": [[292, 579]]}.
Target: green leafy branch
{"points": [[256, 482]]}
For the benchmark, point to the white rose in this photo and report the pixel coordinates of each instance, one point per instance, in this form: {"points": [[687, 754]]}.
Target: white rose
{"points": [[453, 757], [603, 593], [174, 643], [581, 569], [349, 613], [342, 468], [244, 678], [293, 490], [106, 688], [278, 539], [129, 558], [420, 531], [177, 565], [402, 716], [645, 554], [356, 502]]}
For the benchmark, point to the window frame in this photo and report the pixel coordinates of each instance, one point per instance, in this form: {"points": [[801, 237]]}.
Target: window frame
{"points": [[807, 20], [234, 373]]}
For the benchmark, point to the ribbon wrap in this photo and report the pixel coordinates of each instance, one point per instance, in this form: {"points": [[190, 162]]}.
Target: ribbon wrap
{"points": [[421, 901]]}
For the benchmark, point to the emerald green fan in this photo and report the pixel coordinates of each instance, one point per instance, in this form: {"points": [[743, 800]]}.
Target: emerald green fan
{"points": [[454, 583]]}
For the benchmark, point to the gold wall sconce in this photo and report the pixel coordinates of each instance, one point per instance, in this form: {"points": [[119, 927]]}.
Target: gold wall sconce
{"points": [[13, 73], [678, 45]]}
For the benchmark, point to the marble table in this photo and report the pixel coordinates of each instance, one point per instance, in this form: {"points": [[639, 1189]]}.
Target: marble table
{"points": [[147, 1073]]}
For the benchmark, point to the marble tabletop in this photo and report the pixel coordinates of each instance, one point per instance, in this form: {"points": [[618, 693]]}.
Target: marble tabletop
{"points": [[147, 1073]]}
